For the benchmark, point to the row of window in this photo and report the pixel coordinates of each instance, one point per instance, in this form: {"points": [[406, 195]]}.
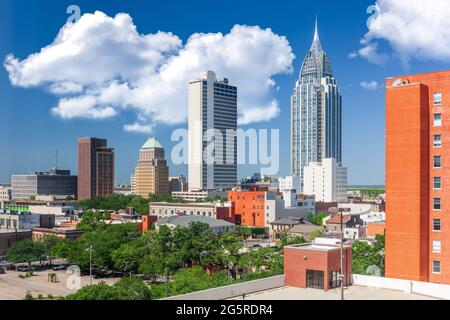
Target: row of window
{"points": [[437, 182]]}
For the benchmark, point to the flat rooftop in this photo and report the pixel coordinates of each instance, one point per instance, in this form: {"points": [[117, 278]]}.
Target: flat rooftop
{"points": [[350, 293]]}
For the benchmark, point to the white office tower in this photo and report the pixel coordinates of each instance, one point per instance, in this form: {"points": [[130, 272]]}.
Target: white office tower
{"points": [[290, 186], [316, 108], [326, 180], [212, 141]]}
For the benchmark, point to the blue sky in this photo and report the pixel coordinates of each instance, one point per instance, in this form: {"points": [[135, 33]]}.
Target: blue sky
{"points": [[30, 133]]}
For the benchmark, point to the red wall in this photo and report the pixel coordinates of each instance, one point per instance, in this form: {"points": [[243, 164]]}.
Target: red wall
{"points": [[249, 205], [298, 260]]}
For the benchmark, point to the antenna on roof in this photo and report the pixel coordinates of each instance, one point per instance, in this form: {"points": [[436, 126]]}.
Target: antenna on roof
{"points": [[56, 159]]}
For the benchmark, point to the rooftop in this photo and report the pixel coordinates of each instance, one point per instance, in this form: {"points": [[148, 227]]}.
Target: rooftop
{"points": [[336, 219], [152, 143], [351, 293], [184, 221]]}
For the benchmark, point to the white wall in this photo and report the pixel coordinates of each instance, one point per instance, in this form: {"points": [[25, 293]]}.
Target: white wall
{"points": [[326, 180], [234, 290], [435, 290]]}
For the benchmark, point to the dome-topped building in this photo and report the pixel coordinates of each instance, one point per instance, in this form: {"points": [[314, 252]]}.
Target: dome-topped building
{"points": [[151, 175]]}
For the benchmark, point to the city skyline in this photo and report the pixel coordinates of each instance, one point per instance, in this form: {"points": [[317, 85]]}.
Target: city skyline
{"points": [[27, 111]]}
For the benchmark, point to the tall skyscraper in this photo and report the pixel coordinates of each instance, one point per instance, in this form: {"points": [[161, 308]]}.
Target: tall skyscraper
{"points": [[95, 168], [417, 177], [316, 108], [212, 128], [151, 175]]}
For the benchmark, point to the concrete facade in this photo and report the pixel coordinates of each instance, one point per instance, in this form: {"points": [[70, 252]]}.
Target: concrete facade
{"points": [[151, 175], [326, 180], [212, 128]]}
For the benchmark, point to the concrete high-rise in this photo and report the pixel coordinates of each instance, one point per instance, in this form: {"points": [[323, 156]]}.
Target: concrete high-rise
{"points": [[316, 108], [417, 179], [151, 175], [95, 168], [212, 131], [326, 180]]}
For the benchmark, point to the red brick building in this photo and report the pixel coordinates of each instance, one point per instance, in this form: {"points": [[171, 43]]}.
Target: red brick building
{"points": [[316, 266], [417, 178]]}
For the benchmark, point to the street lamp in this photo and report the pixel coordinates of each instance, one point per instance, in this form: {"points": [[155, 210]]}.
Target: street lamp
{"points": [[90, 264], [340, 211]]}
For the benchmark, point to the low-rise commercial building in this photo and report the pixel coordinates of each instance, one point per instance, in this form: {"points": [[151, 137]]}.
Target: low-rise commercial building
{"points": [[218, 226], [317, 265], [196, 195], [5, 193], [9, 237], [293, 227], [62, 233], [55, 182], [25, 221], [215, 210]]}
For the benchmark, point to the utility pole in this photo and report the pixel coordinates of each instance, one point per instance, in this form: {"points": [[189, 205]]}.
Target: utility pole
{"points": [[167, 281], [342, 259], [341, 211], [90, 264]]}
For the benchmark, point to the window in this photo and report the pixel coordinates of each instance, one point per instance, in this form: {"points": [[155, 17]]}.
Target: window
{"points": [[437, 98], [436, 267], [437, 246], [436, 224], [437, 204], [437, 120], [437, 162], [436, 182], [437, 141]]}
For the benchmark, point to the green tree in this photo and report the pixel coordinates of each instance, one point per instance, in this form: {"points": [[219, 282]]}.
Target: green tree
{"points": [[124, 289], [93, 220], [25, 251], [231, 243], [190, 280], [317, 219], [315, 234], [129, 256], [365, 255]]}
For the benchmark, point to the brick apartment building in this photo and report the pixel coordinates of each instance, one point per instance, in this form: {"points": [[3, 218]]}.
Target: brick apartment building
{"points": [[417, 177]]}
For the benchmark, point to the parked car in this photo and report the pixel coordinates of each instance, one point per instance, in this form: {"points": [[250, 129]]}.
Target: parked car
{"points": [[2, 270], [22, 268], [59, 267]]}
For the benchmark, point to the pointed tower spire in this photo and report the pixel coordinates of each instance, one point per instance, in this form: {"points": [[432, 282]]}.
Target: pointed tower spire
{"points": [[316, 31], [316, 42]]}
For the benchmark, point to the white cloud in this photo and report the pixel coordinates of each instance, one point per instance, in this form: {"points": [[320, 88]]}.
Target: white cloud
{"points": [[102, 65], [138, 128], [370, 85], [352, 55], [414, 29]]}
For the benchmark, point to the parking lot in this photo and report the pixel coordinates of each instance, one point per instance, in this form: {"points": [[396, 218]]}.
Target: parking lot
{"points": [[12, 287]]}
